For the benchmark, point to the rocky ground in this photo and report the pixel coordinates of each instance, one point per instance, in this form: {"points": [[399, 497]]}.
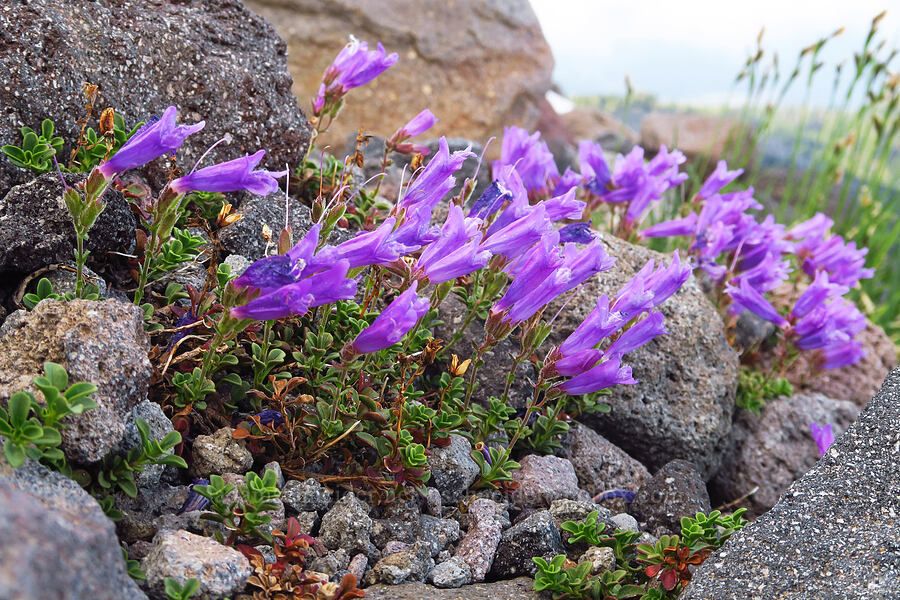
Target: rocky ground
{"points": [[676, 439]]}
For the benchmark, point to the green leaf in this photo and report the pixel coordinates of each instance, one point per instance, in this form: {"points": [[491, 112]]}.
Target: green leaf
{"points": [[126, 483], [57, 375], [19, 406], [15, 454]]}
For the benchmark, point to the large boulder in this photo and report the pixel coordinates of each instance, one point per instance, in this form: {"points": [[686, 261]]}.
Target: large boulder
{"points": [[695, 135], [55, 540], [102, 343], [834, 532], [478, 65], [599, 464], [592, 124], [683, 404], [769, 451], [214, 59], [520, 588], [36, 228]]}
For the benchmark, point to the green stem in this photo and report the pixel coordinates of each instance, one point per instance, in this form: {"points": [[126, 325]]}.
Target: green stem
{"points": [[80, 259]]}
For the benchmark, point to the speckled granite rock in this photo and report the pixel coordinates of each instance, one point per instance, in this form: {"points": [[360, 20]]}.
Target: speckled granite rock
{"points": [[452, 469], [213, 58], [512, 589], [771, 450], [479, 546], [220, 453], [833, 535], [221, 570], [683, 403], [347, 525], [55, 540], [99, 342], [543, 479]]}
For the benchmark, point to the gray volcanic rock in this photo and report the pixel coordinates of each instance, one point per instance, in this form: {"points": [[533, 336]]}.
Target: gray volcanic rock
{"points": [[599, 464], [55, 540], [771, 450], [520, 588], [537, 535], [683, 404], [675, 491], [453, 469], [543, 479], [36, 228], [834, 532], [103, 343], [214, 59]]}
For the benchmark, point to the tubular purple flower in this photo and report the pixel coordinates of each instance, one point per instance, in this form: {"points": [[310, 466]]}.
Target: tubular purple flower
{"points": [[518, 206], [272, 272], [393, 323], [530, 157], [843, 261], [153, 140], [666, 281], [232, 176], [815, 226], [843, 355], [829, 324], [604, 375], [355, 65], [490, 201], [460, 261], [634, 297], [369, 248], [823, 435], [683, 226], [564, 206], [518, 236], [418, 125], [599, 324], [747, 298], [577, 232], [719, 179], [436, 180], [577, 363], [570, 180], [297, 298], [816, 294], [638, 335], [533, 267], [594, 169]]}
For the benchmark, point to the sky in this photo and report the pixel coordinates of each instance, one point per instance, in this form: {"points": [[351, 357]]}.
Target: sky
{"points": [[689, 51]]}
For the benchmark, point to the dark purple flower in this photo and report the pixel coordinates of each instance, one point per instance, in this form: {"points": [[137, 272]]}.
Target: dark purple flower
{"points": [[604, 375], [626, 495], [823, 435], [530, 157], [577, 232], [638, 335], [271, 417], [833, 323], [578, 362], [272, 272], [194, 500], [490, 201], [718, 179], [418, 125], [393, 323], [747, 298], [594, 169], [321, 288], [355, 65], [151, 141], [232, 176]]}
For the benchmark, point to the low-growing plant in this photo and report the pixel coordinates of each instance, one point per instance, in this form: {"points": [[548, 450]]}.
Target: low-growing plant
{"points": [[37, 149], [178, 591], [241, 517]]}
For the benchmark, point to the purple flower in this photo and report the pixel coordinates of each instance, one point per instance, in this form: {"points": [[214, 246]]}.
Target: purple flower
{"points": [[577, 363], [232, 176], [664, 282], [490, 201], [594, 169], [816, 294], [271, 417], [518, 236], [842, 355], [830, 324], [747, 298], [577, 232], [194, 500], [437, 178], [530, 270], [823, 435], [641, 184], [296, 298], [564, 206], [683, 226], [719, 179], [518, 206], [530, 157], [816, 226], [355, 65], [638, 335], [369, 248], [604, 375], [393, 323], [418, 125], [843, 261], [151, 141], [569, 181], [272, 272], [465, 259], [456, 252], [598, 324]]}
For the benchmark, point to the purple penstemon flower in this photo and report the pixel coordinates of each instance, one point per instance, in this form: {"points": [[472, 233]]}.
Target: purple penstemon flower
{"points": [[842, 355], [518, 236], [532, 268], [832, 323], [823, 435], [600, 323], [637, 335], [718, 179], [606, 374], [490, 201], [153, 140], [570, 180], [577, 232], [194, 500], [369, 248], [745, 297], [676, 227], [530, 157], [393, 323], [456, 252], [355, 65], [436, 180], [232, 176], [272, 272], [321, 288], [564, 206], [594, 170], [418, 125]]}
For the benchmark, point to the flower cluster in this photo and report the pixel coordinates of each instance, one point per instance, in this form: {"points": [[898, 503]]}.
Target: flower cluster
{"points": [[354, 66]]}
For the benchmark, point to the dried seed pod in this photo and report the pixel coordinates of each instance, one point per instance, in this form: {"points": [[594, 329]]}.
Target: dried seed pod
{"points": [[107, 121]]}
